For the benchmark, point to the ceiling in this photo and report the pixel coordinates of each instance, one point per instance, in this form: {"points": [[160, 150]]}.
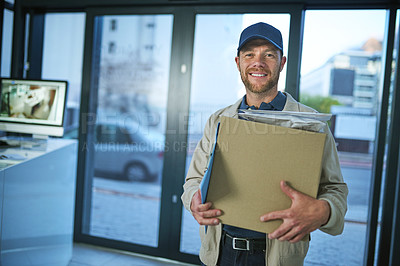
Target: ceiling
{"points": [[308, 4]]}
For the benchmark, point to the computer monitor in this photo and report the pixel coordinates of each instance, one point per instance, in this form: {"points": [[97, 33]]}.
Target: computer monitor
{"points": [[34, 107]]}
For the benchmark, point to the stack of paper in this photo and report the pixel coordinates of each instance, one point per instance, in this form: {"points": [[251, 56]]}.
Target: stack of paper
{"points": [[299, 120]]}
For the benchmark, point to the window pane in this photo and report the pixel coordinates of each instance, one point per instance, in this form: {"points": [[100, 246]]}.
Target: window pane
{"points": [[130, 127], [341, 74], [216, 83], [7, 43], [62, 59]]}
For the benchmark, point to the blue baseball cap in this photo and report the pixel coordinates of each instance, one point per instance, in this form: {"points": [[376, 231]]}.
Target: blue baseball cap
{"points": [[261, 30]]}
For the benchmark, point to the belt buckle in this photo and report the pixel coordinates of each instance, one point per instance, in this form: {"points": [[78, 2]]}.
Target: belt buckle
{"points": [[240, 239]]}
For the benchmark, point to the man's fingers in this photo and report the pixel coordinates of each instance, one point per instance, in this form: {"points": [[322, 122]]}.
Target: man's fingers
{"points": [[290, 235], [203, 213], [203, 221], [290, 192], [207, 217], [203, 207], [210, 213], [274, 216], [280, 232], [305, 215]]}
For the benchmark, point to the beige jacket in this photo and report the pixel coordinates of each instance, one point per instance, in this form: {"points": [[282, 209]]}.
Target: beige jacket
{"points": [[332, 189]]}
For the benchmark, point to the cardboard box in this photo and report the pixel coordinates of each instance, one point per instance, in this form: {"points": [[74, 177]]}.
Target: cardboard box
{"points": [[251, 159]]}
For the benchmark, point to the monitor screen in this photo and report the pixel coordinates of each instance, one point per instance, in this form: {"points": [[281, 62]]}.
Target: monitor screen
{"points": [[33, 106]]}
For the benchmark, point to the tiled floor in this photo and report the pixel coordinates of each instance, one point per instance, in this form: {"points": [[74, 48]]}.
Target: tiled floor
{"points": [[88, 255]]}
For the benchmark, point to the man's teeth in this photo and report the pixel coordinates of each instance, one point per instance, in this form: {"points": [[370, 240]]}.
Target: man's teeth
{"points": [[258, 75]]}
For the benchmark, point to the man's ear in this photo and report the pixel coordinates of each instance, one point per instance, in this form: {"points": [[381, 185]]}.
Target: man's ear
{"points": [[237, 62], [283, 61]]}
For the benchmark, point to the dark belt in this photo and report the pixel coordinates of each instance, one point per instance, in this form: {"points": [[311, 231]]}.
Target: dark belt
{"points": [[248, 244]]}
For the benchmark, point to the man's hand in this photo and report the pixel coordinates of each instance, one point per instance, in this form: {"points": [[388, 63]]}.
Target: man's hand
{"points": [[305, 215], [202, 212]]}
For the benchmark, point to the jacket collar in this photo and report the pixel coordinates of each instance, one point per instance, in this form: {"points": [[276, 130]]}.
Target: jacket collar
{"points": [[232, 111], [291, 103]]}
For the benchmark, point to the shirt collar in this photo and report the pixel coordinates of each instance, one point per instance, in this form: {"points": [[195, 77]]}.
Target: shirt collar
{"points": [[278, 103]]}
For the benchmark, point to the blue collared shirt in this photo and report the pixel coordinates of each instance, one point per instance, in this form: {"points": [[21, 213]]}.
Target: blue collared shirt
{"points": [[277, 104]]}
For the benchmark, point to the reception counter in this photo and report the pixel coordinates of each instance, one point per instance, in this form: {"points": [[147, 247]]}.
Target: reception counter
{"points": [[37, 197]]}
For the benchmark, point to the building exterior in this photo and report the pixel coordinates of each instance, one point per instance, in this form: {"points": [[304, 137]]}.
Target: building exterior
{"points": [[354, 129], [350, 77]]}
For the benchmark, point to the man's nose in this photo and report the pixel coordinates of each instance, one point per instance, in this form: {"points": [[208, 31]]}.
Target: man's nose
{"points": [[258, 61]]}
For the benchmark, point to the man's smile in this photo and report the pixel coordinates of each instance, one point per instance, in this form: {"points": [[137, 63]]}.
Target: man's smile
{"points": [[258, 74]]}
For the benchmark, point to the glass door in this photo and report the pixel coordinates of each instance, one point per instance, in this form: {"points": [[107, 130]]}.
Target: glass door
{"points": [[132, 73], [341, 74]]}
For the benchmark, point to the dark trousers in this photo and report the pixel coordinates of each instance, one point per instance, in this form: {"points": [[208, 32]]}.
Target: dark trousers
{"points": [[231, 257]]}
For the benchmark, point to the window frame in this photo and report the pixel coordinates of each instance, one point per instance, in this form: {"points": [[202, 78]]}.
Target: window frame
{"points": [[182, 54]]}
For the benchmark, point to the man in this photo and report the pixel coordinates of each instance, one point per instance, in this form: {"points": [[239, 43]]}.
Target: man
{"points": [[260, 60]]}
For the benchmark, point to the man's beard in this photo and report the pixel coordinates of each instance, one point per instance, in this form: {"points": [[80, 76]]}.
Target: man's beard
{"points": [[270, 85]]}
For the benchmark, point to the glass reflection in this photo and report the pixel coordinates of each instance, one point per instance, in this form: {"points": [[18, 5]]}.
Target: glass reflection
{"points": [[130, 127]]}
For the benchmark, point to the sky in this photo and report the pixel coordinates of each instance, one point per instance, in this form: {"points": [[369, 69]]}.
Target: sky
{"points": [[327, 33]]}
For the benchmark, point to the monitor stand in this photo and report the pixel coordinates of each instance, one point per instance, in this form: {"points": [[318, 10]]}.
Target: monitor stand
{"points": [[40, 137], [37, 142]]}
